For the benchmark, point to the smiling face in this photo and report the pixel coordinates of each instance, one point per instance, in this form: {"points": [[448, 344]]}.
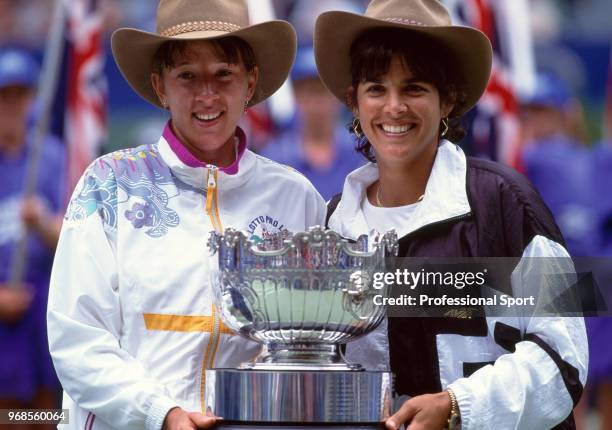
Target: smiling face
{"points": [[400, 115], [206, 96]]}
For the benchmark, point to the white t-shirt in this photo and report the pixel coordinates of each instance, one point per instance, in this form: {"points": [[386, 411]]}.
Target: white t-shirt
{"points": [[372, 351], [380, 220]]}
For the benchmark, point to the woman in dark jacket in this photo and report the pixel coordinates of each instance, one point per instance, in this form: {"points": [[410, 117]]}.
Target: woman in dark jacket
{"points": [[408, 76]]}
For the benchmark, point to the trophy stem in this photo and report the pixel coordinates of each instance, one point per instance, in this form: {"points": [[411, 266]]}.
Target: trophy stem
{"points": [[303, 356]]}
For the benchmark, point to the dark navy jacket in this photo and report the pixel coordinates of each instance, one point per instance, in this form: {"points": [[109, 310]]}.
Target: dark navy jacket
{"points": [[478, 208]]}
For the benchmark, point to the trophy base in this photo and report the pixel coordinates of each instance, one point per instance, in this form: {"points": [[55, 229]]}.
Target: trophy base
{"points": [[298, 399], [301, 357]]}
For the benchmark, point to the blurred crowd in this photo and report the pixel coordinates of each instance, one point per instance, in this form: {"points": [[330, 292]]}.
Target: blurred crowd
{"points": [[29, 230], [566, 151]]}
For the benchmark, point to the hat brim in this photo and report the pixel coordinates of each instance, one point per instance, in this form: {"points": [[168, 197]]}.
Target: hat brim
{"points": [[273, 43], [336, 31]]}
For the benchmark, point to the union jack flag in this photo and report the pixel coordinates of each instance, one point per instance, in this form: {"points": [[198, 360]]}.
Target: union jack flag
{"points": [[81, 102], [495, 131]]}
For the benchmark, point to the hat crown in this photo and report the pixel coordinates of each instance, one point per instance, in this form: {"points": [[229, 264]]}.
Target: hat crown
{"points": [[410, 12], [179, 16]]}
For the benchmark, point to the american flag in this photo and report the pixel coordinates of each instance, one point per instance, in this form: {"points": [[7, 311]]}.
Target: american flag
{"points": [[495, 131], [81, 103]]}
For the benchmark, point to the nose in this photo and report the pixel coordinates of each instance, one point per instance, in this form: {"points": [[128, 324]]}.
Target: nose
{"points": [[396, 104], [206, 92]]}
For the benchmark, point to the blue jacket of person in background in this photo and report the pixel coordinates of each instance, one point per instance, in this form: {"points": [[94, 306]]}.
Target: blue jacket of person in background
{"points": [[559, 165], [25, 364]]}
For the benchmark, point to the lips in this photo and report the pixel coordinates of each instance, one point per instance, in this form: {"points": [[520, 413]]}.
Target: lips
{"points": [[208, 117], [396, 128]]}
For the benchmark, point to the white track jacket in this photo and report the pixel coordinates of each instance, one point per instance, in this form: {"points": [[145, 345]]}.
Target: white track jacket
{"points": [[131, 321]]}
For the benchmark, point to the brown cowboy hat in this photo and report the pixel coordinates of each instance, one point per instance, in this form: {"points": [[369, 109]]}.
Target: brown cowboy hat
{"points": [[273, 42], [336, 31]]}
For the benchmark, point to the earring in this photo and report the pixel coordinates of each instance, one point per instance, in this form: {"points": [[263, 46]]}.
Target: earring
{"points": [[162, 100], [445, 125], [357, 128], [246, 105]]}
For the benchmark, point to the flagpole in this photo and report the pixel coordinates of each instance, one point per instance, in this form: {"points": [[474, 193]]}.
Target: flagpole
{"points": [[46, 91]]}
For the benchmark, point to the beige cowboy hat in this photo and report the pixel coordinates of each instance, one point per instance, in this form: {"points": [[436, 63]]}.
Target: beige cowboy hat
{"points": [[336, 31], [273, 42]]}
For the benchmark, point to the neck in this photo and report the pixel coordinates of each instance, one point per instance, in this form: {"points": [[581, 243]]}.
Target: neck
{"points": [[221, 157], [318, 143], [402, 184], [319, 154]]}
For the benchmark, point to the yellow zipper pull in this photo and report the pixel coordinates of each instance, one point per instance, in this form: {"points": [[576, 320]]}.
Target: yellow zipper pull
{"points": [[211, 189], [212, 204]]}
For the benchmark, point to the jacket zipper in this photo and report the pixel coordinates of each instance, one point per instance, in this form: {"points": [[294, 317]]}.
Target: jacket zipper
{"points": [[212, 209], [216, 337], [212, 205]]}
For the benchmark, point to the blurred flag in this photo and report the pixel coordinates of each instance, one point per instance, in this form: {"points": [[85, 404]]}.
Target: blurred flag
{"points": [[495, 131], [81, 102]]}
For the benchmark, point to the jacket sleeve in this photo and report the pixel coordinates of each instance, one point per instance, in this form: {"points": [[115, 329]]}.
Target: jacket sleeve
{"points": [[85, 322], [539, 381], [315, 208]]}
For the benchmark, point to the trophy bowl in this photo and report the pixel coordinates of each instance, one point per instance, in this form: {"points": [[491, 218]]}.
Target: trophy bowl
{"points": [[301, 295]]}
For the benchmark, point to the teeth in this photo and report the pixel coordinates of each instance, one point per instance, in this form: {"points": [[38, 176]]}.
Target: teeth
{"points": [[396, 129], [208, 117]]}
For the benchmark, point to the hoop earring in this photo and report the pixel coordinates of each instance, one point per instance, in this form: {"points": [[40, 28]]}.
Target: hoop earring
{"points": [[445, 125], [357, 128]]}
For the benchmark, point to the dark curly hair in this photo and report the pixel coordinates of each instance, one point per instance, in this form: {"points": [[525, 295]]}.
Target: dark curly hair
{"points": [[371, 55]]}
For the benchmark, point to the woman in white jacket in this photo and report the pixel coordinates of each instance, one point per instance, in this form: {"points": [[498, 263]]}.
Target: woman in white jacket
{"points": [[132, 325]]}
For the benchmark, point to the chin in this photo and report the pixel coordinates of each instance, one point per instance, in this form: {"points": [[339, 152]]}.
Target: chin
{"points": [[403, 154]]}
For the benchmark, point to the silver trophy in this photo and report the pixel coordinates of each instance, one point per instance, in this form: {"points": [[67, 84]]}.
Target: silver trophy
{"points": [[302, 296]]}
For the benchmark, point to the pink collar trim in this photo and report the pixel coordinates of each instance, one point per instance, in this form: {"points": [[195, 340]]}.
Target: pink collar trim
{"points": [[190, 160]]}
